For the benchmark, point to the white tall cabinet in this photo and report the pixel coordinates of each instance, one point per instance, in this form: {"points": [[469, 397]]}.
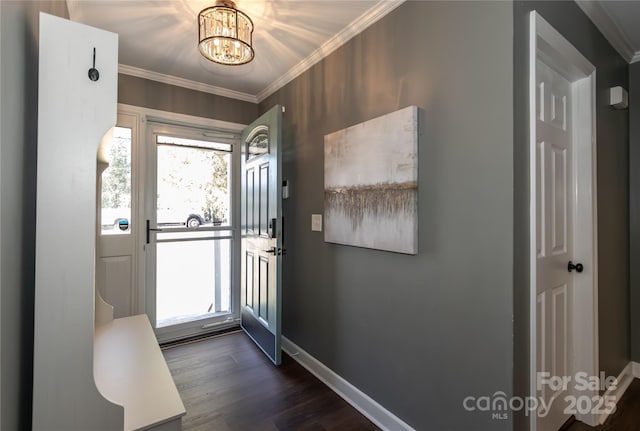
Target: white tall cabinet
{"points": [[74, 113]]}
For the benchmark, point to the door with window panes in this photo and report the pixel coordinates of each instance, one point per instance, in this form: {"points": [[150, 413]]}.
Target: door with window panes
{"points": [[189, 230]]}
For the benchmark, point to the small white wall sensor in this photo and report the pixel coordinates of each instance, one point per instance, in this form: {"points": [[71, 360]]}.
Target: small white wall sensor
{"points": [[618, 98]]}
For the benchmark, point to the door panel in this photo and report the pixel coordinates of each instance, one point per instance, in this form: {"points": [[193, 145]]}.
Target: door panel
{"points": [[248, 188], [263, 288], [263, 210], [541, 340], [261, 229], [248, 266], [554, 235], [559, 331]]}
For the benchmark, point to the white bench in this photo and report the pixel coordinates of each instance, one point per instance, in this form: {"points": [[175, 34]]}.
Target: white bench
{"points": [[129, 370]]}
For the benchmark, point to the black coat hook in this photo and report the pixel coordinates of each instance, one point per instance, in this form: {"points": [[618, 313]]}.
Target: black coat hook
{"points": [[94, 75]]}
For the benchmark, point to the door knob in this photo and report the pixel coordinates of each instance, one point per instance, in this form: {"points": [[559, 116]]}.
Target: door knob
{"points": [[578, 267], [273, 250]]}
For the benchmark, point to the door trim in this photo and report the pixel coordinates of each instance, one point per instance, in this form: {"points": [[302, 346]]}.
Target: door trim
{"points": [[549, 45], [226, 130]]}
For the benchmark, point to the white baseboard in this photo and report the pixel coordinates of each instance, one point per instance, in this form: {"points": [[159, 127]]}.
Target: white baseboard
{"points": [[376, 413], [624, 380]]}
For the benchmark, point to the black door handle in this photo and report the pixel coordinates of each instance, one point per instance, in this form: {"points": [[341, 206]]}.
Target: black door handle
{"points": [[149, 229], [578, 267], [276, 251]]}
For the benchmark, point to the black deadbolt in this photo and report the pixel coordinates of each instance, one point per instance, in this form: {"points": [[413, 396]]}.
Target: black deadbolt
{"points": [[578, 267]]}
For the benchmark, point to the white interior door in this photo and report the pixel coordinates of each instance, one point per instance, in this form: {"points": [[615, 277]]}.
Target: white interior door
{"points": [[563, 228], [554, 203], [117, 225], [262, 232]]}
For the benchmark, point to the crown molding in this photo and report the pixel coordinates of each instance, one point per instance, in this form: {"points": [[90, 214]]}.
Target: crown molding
{"points": [[636, 57], [616, 37], [382, 8], [185, 83]]}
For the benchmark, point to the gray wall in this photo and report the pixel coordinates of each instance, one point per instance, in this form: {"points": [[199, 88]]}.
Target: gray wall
{"points": [[613, 185], [156, 95], [19, 86], [634, 163], [417, 333]]}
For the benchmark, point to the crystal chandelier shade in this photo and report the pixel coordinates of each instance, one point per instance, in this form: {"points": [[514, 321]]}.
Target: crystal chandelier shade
{"points": [[225, 34]]}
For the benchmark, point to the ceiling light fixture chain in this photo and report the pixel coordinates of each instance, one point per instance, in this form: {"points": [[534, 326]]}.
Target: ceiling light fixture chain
{"points": [[225, 34]]}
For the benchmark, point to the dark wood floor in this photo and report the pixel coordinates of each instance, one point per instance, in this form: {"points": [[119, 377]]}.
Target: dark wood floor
{"points": [[227, 384], [626, 417]]}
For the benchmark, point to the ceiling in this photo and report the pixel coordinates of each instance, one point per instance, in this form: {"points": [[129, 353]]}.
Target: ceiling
{"points": [[618, 22], [158, 39]]}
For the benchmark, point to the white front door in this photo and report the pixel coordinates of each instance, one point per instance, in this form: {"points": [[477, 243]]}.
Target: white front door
{"points": [[262, 232], [554, 244]]}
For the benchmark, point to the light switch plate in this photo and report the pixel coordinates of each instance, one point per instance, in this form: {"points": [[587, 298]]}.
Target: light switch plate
{"points": [[316, 222]]}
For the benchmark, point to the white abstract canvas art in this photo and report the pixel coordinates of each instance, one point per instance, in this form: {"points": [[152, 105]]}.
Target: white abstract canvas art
{"points": [[371, 183]]}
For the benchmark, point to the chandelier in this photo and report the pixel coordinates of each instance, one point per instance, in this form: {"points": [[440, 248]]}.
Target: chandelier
{"points": [[225, 34]]}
